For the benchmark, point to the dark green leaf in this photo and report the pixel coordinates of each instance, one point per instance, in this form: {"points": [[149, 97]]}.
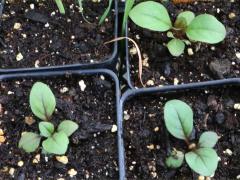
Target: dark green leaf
{"points": [[178, 118], [203, 161], [68, 127], [151, 15], [208, 139], [29, 141], [105, 14], [56, 144], [46, 129], [42, 101]]}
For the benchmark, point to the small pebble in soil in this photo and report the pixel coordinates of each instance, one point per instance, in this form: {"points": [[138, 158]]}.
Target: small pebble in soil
{"points": [[228, 152], [11, 171], [46, 25], [190, 51], [175, 81], [36, 159], [20, 163], [201, 178], [17, 26], [126, 117], [72, 172], [150, 82], [82, 85], [219, 117], [29, 120], [36, 64], [62, 159], [156, 129], [64, 89], [238, 55], [236, 106], [32, 6], [2, 139], [133, 51], [114, 128], [150, 147], [232, 15], [19, 57], [238, 176], [1, 132]]}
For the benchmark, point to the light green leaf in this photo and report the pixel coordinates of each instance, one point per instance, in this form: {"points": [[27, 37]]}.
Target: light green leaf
{"points": [[106, 12], [151, 15], [208, 139], [178, 118], [56, 144], [187, 15], [176, 47], [42, 101], [203, 161], [46, 128], [29, 141], [206, 28], [175, 160], [128, 6], [68, 127], [60, 6]]}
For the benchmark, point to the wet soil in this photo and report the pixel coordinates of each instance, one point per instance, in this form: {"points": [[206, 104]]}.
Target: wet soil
{"points": [[44, 37], [208, 62], [147, 143], [92, 151]]}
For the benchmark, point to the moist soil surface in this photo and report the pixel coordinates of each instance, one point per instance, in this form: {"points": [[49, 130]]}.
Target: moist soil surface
{"points": [[147, 143], [92, 150], [44, 37], [208, 62]]}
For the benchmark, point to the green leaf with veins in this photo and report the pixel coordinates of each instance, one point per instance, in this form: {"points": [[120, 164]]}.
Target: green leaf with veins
{"points": [[176, 47], [42, 101], [203, 161], [56, 144], [151, 15], [175, 160], [29, 141], [178, 117], [208, 139], [68, 127], [206, 28], [46, 129]]}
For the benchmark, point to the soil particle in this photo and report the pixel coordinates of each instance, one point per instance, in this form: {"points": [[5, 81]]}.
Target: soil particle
{"points": [[220, 68]]}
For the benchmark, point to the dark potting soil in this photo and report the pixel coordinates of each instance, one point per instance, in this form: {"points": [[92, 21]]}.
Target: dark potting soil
{"points": [[208, 62], [147, 143], [92, 150], [44, 37]]}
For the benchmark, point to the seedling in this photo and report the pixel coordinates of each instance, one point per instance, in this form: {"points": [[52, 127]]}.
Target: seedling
{"points": [[60, 6], [201, 157], [106, 12], [42, 103], [203, 28]]}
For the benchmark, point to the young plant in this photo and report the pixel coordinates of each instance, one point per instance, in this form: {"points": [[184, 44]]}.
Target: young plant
{"points": [[42, 103], [203, 28], [60, 6], [201, 158], [106, 12]]}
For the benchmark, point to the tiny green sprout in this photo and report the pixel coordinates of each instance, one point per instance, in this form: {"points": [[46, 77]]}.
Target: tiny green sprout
{"points": [[201, 158], [203, 28], [42, 102], [60, 6], [106, 12]]}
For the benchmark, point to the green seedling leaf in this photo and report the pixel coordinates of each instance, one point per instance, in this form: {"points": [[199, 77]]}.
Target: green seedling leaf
{"points": [[56, 144], [203, 161], [206, 28], [170, 34], [106, 12], [208, 139], [151, 15], [68, 127], [178, 118], [60, 6], [175, 160], [46, 129], [42, 101], [176, 47], [128, 6], [188, 16], [29, 141]]}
